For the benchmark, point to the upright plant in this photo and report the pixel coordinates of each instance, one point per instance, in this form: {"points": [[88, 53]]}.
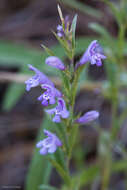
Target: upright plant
{"points": [[60, 105]]}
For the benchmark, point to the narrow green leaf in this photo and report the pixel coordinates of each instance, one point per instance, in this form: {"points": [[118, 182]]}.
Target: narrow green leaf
{"points": [[115, 10], [49, 52], [72, 139], [59, 157], [47, 187], [61, 171], [64, 44], [75, 183], [101, 30], [61, 132], [13, 94], [66, 83], [16, 55], [73, 28], [89, 175]]}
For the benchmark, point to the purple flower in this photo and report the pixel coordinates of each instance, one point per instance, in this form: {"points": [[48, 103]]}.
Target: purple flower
{"points": [[93, 54], [59, 111], [50, 95], [55, 62], [88, 117], [60, 32], [37, 79], [49, 144]]}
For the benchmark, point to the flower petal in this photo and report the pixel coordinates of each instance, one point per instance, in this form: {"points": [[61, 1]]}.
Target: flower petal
{"points": [[93, 54], [39, 144], [40, 77], [88, 117], [47, 133], [52, 100], [56, 119], [44, 102], [43, 151], [52, 148], [58, 142], [65, 114], [55, 62], [50, 111], [40, 98]]}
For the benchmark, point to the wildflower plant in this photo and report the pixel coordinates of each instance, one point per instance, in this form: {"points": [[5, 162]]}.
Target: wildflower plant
{"points": [[59, 104]]}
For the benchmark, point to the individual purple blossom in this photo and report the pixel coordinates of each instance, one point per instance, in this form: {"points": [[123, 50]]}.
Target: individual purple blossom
{"points": [[60, 31], [50, 95], [59, 111], [38, 79], [49, 144], [55, 62], [93, 54], [88, 117]]}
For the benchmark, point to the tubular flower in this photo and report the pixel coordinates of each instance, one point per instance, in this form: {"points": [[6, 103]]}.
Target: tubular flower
{"points": [[50, 95], [38, 79], [93, 54], [55, 62], [59, 111], [88, 117], [49, 144]]}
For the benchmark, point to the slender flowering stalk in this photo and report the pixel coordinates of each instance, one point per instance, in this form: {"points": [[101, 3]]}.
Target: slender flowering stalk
{"points": [[61, 102], [50, 95], [59, 111], [38, 79], [49, 144], [94, 54], [88, 117], [55, 62]]}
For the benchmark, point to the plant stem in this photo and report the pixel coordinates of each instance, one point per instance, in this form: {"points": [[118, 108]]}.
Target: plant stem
{"points": [[121, 41], [106, 173]]}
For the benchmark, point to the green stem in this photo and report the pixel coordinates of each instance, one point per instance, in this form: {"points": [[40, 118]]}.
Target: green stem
{"points": [[61, 171], [106, 174], [114, 113], [121, 41]]}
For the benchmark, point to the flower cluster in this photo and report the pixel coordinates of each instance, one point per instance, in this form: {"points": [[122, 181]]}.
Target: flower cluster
{"points": [[52, 96]]}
